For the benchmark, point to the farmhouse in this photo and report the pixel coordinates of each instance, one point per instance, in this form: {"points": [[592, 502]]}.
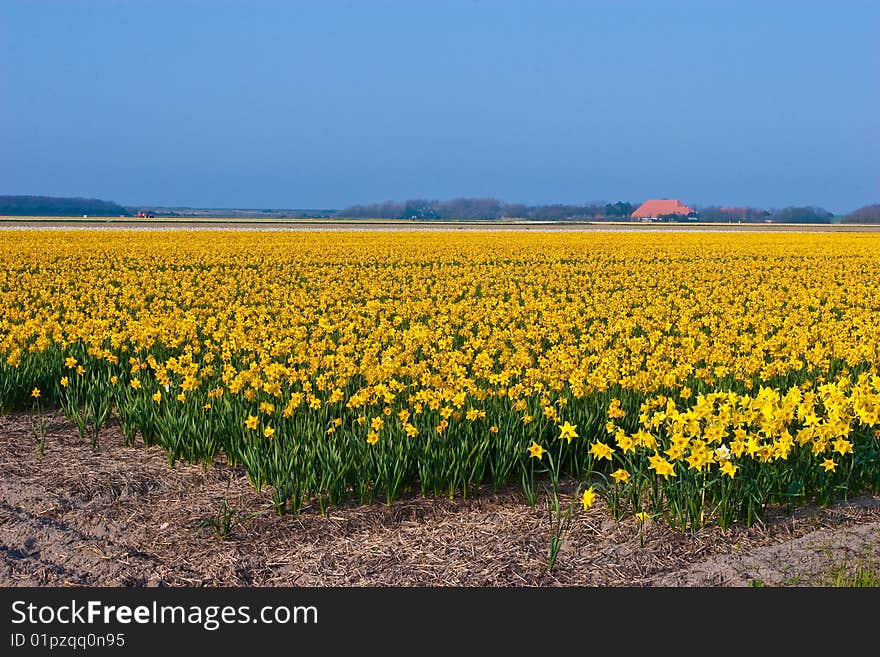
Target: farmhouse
{"points": [[661, 209]]}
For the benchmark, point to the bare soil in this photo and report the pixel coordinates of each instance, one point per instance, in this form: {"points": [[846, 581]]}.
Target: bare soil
{"points": [[343, 225], [120, 516]]}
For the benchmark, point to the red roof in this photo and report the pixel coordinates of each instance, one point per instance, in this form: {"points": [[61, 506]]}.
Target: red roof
{"points": [[660, 207]]}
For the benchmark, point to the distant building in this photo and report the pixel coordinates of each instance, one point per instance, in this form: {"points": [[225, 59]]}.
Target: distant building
{"points": [[653, 209]]}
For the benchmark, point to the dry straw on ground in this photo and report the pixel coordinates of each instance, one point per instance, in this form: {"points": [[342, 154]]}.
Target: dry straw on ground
{"points": [[122, 516]]}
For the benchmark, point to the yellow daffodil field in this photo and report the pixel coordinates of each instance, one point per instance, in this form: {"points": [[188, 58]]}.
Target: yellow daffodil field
{"points": [[698, 377]]}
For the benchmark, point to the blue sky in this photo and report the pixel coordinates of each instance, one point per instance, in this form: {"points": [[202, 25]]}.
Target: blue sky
{"points": [[325, 104]]}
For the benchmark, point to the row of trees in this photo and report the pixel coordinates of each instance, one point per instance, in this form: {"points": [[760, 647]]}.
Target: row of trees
{"points": [[870, 214], [787, 215], [490, 208], [459, 208], [486, 208], [721, 213], [53, 206]]}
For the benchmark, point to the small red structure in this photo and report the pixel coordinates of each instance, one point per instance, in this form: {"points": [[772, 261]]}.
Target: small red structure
{"points": [[662, 208], [143, 214]]}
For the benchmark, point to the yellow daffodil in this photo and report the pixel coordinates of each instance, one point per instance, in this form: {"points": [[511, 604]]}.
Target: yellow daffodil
{"points": [[620, 476], [535, 450], [601, 451], [588, 498]]}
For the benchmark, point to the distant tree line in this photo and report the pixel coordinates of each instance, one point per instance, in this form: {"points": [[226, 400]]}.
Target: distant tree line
{"points": [[870, 214], [490, 208], [433, 210], [486, 208], [787, 215], [719, 213], [801, 215], [51, 206]]}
